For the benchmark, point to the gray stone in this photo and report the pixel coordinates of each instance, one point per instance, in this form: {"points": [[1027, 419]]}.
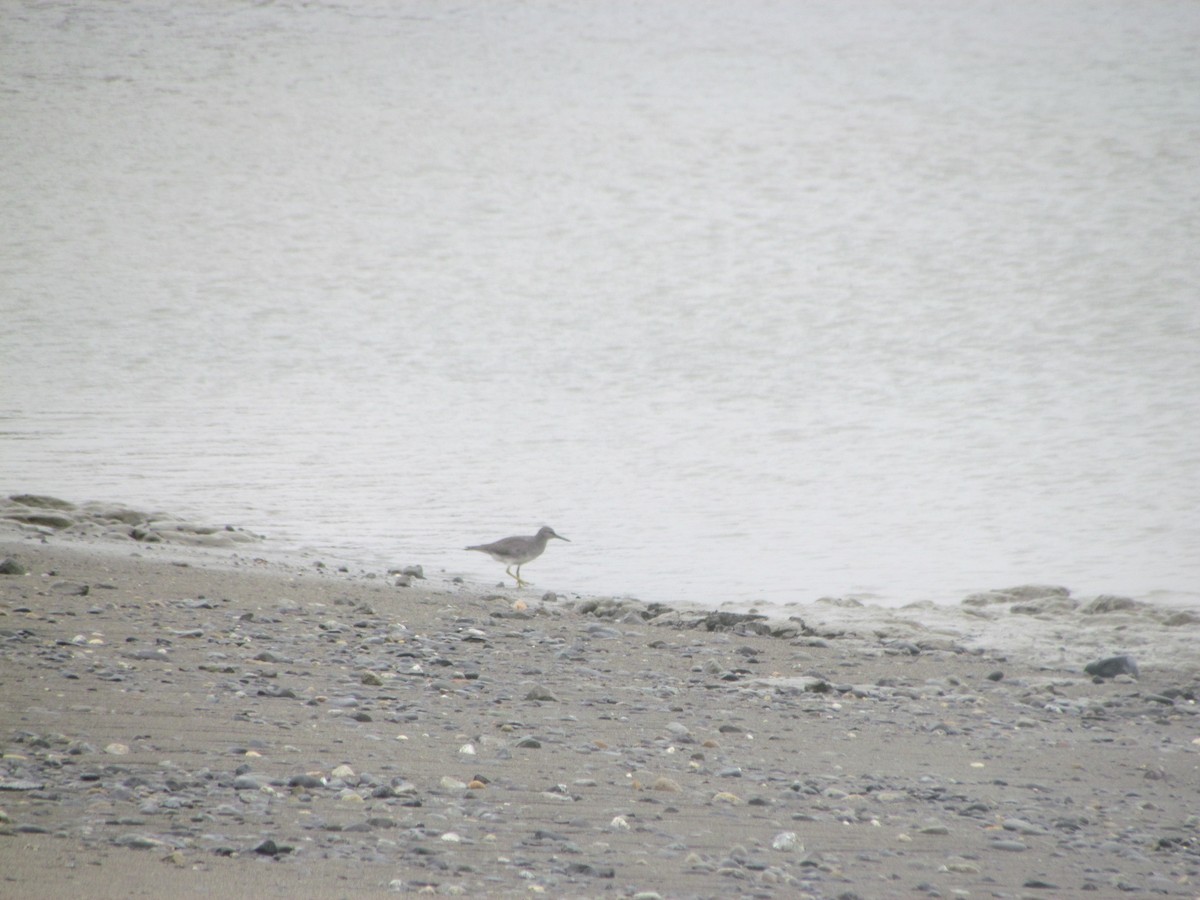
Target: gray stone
{"points": [[1107, 603], [9, 566], [1112, 667]]}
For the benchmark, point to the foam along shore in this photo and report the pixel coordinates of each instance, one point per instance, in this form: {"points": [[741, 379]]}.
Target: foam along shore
{"points": [[191, 720]]}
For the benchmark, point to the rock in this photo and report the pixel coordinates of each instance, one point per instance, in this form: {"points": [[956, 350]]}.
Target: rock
{"points": [[9, 566], [1181, 618], [44, 518], [1023, 827], [1112, 667], [786, 840], [19, 785], [1022, 593], [679, 731], [1030, 591], [730, 621], [270, 848], [139, 842], [1107, 603], [1041, 606], [41, 501], [1012, 846], [121, 514], [809, 684], [962, 866]]}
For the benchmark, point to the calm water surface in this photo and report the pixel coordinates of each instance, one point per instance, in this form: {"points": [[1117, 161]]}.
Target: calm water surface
{"points": [[756, 302]]}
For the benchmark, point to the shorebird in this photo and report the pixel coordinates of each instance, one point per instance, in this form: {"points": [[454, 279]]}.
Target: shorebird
{"points": [[516, 551]]}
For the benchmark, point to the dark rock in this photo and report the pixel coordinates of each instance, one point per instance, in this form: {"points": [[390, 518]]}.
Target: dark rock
{"points": [[9, 566], [277, 693], [587, 869], [1112, 667], [270, 848]]}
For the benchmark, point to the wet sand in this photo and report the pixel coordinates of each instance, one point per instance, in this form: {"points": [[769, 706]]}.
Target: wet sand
{"points": [[180, 721]]}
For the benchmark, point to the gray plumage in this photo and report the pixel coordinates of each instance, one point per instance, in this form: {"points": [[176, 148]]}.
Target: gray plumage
{"points": [[518, 550]]}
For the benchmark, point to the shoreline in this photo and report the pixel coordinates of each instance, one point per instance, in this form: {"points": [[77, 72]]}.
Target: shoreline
{"points": [[186, 722], [1043, 625]]}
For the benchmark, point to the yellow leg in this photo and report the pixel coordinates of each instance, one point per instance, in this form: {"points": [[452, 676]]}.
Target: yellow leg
{"points": [[516, 575]]}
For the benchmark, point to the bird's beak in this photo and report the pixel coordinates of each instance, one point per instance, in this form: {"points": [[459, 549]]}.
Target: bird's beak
{"points": [[561, 538]]}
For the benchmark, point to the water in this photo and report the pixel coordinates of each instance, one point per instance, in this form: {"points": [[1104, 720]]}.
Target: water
{"points": [[755, 302]]}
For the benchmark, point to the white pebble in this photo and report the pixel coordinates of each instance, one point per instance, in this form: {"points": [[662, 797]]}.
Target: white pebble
{"points": [[786, 840]]}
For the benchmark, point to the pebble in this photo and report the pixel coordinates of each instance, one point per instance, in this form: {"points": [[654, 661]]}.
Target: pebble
{"points": [[1022, 827], [139, 842], [1010, 845], [961, 867], [1112, 666], [10, 566], [787, 841]]}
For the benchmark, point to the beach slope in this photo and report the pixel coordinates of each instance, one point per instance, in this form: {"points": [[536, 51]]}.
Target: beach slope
{"points": [[181, 723]]}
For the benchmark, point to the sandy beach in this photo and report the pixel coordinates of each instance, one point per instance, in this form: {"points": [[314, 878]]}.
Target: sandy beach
{"points": [[186, 713]]}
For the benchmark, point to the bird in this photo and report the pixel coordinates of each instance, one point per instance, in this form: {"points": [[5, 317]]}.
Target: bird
{"points": [[518, 550]]}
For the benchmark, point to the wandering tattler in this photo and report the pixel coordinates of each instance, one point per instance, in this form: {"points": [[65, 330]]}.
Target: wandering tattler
{"points": [[516, 551]]}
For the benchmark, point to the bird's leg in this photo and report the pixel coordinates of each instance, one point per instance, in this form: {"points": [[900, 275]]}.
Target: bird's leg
{"points": [[520, 583], [516, 575]]}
